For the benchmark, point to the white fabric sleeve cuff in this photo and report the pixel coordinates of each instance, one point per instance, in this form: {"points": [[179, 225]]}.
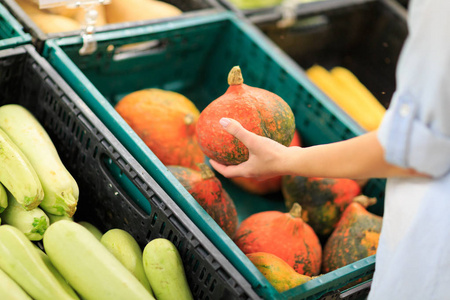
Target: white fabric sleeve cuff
{"points": [[409, 143]]}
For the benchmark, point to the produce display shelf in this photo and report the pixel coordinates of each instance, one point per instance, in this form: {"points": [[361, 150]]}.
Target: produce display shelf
{"points": [[190, 8], [109, 178], [11, 32], [364, 36], [193, 57]]}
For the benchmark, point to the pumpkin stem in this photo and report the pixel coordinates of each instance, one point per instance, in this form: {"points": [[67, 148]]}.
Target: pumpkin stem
{"points": [[205, 171], [296, 210], [235, 76], [365, 201], [188, 119]]}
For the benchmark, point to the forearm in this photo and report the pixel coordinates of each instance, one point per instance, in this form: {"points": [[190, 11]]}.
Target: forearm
{"points": [[359, 157]]}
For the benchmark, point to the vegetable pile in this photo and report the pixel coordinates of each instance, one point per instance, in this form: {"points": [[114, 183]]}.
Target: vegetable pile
{"points": [[326, 224], [45, 253]]}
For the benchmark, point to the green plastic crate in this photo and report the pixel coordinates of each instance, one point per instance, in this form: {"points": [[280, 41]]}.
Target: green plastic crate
{"points": [[193, 57], [11, 32]]}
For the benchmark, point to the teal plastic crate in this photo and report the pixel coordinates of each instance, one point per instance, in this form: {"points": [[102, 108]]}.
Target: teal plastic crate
{"points": [[11, 32], [193, 57]]}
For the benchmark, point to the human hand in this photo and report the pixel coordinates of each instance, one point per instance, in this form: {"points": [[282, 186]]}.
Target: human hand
{"points": [[265, 155]]}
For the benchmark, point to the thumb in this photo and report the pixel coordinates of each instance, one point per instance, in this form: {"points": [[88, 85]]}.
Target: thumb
{"points": [[235, 128]]}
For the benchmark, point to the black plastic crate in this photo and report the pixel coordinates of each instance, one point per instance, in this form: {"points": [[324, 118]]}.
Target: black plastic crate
{"points": [[364, 36], [109, 178], [190, 8]]}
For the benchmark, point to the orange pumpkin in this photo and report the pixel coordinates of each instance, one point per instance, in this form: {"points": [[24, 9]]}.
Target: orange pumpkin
{"points": [[258, 110], [207, 189], [284, 235], [280, 275], [355, 237], [165, 121], [264, 186]]}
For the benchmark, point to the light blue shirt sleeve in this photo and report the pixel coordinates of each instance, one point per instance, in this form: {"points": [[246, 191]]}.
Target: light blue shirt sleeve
{"points": [[415, 132]]}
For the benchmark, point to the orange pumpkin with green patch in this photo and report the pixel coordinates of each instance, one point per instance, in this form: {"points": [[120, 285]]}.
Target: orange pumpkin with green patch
{"points": [[280, 275], [208, 191], [323, 200], [355, 237], [258, 110], [285, 235], [165, 121]]}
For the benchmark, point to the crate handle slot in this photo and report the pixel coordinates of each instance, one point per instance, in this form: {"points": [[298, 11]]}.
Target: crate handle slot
{"points": [[140, 49], [116, 171]]}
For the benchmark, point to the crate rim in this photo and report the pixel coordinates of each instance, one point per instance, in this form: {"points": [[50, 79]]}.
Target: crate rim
{"points": [[317, 7], [54, 53], [22, 38]]}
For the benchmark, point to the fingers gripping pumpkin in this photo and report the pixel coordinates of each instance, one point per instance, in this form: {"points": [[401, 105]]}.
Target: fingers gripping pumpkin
{"points": [[258, 110]]}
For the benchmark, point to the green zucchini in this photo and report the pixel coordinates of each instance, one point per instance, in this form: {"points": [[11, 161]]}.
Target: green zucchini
{"points": [[165, 271], [88, 266], [125, 248], [62, 281], [32, 223], [60, 188], [18, 175], [10, 290], [20, 260], [3, 198], [92, 229]]}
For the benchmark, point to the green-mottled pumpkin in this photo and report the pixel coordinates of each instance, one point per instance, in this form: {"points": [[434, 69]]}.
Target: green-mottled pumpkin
{"points": [[208, 191], [280, 275], [323, 200], [355, 237], [284, 235], [258, 110]]}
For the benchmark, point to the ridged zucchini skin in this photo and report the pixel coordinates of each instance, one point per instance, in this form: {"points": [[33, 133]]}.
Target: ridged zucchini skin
{"points": [[18, 175], [3, 198], [32, 223], [20, 260], [88, 266], [125, 248], [10, 290], [60, 188], [165, 271]]}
